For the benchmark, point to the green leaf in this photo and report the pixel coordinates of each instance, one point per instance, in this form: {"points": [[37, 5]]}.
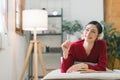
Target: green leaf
{"points": [[112, 37], [71, 27]]}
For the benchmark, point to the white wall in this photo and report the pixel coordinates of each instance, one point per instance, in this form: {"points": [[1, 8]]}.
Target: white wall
{"points": [[87, 10], [83, 10], [12, 56]]}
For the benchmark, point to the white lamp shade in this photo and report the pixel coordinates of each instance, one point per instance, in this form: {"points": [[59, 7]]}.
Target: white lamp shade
{"points": [[35, 20]]}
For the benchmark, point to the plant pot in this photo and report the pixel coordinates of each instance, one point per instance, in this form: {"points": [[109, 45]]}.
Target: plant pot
{"points": [[113, 63], [117, 64], [111, 60], [71, 37]]}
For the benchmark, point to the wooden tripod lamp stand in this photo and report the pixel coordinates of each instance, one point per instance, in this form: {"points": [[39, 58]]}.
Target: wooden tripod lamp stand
{"points": [[34, 20]]}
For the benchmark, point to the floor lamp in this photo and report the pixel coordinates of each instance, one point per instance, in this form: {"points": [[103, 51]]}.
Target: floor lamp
{"points": [[34, 20]]}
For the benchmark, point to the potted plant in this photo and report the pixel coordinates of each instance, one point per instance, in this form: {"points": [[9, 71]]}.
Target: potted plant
{"points": [[70, 27], [112, 37]]}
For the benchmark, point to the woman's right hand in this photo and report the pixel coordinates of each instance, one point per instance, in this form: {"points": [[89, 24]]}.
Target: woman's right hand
{"points": [[65, 47]]}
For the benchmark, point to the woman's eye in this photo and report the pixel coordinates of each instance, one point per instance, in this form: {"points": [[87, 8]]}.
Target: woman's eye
{"points": [[93, 32], [87, 29]]}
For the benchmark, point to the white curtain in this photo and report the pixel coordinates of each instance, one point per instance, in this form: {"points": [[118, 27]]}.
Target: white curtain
{"points": [[3, 25], [2, 16]]}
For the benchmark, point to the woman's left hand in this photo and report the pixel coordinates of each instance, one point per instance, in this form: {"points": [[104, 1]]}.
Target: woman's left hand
{"points": [[76, 67]]}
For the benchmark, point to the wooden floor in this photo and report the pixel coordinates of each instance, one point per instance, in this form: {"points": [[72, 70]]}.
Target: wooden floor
{"points": [[51, 61]]}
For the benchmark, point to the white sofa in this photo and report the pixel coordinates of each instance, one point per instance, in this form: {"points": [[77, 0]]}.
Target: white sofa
{"points": [[106, 75]]}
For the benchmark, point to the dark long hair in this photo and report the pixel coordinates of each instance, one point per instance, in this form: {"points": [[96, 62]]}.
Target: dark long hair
{"points": [[98, 25]]}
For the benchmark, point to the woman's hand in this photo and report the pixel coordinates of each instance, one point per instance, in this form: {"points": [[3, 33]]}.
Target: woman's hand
{"points": [[65, 47], [77, 67]]}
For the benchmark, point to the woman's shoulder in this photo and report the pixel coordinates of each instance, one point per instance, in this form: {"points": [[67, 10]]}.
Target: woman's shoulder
{"points": [[100, 42]]}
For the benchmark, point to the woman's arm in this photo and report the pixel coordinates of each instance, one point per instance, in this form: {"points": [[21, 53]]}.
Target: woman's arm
{"points": [[68, 60], [102, 60], [77, 67]]}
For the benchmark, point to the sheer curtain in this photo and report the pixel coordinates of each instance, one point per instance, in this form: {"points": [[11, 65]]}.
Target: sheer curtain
{"points": [[3, 22]]}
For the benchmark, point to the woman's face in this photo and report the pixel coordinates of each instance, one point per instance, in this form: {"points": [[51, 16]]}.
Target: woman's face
{"points": [[90, 33]]}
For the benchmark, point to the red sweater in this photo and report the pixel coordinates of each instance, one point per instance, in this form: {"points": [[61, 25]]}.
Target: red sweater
{"points": [[77, 53]]}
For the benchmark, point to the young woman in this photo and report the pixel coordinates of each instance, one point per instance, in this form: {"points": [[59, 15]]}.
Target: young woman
{"points": [[86, 51]]}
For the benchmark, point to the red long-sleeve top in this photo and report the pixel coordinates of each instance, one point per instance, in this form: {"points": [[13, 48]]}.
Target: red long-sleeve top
{"points": [[77, 53]]}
